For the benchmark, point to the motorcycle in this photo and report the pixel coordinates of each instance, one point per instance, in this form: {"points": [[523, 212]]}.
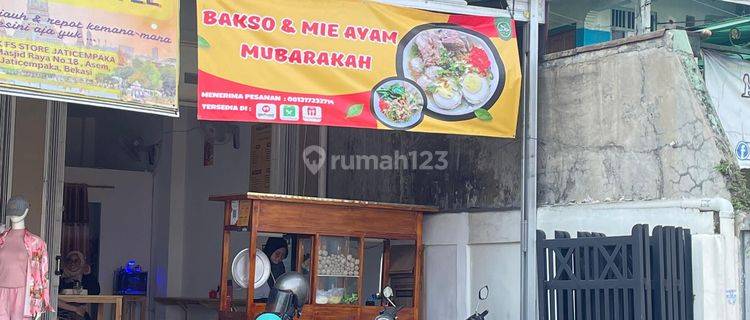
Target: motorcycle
{"points": [[390, 311], [484, 292]]}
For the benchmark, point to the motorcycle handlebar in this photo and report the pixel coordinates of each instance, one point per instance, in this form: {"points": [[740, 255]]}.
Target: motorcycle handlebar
{"points": [[485, 313]]}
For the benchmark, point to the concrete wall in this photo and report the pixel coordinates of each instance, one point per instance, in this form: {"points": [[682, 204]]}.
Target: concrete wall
{"points": [[628, 122], [466, 251], [482, 172], [626, 133]]}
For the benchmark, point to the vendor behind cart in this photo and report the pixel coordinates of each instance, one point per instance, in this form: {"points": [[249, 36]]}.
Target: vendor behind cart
{"points": [[276, 249]]}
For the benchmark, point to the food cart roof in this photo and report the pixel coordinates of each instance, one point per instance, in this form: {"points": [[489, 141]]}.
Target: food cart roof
{"points": [[326, 201]]}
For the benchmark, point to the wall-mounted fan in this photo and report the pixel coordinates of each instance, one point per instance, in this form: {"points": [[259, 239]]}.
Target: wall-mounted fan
{"points": [[219, 133], [135, 148]]}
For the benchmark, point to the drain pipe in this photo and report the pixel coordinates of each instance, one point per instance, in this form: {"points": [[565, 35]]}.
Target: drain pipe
{"points": [[723, 207], [724, 219]]}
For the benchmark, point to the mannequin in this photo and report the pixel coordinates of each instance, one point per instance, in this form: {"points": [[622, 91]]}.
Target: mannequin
{"points": [[24, 290]]}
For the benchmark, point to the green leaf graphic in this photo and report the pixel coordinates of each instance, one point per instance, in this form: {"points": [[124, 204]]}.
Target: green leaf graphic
{"points": [[354, 110], [203, 43], [483, 115]]}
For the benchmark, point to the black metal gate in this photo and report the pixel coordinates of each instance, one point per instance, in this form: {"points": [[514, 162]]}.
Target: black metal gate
{"points": [[595, 277]]}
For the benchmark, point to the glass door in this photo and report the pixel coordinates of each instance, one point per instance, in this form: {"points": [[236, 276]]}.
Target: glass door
{"points": [[52, 197]]}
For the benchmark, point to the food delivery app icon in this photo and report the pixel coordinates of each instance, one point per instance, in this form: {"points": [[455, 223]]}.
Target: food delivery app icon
{"points": [[289, 112]]}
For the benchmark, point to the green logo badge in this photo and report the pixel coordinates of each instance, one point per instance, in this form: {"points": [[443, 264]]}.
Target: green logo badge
{"points": [[289, 112], [504, 28], [734, 35]]}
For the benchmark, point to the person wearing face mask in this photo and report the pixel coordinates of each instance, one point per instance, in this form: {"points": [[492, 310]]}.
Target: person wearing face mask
{"points": [[276, 250]]}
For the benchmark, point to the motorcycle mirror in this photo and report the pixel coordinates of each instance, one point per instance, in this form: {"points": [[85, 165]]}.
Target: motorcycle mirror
{"points": [[388, 292], [484, 293]]}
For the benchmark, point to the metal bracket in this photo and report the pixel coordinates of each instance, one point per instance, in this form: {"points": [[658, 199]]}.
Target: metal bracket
{"points": [[524, 236]]}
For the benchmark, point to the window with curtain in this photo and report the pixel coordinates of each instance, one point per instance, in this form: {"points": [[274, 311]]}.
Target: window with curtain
{"points": [[76, 218]]}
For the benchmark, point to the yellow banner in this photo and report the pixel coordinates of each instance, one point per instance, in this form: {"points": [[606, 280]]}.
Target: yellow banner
{"points": [[112, 53], [153, 9], [357, 63]]}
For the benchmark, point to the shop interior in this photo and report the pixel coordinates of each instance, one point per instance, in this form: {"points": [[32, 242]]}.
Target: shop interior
{"points": [[137, 214], [113, 163]]}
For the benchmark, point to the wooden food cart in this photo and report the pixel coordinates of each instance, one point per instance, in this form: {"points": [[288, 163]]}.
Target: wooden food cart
{"points": [[335, 231]]}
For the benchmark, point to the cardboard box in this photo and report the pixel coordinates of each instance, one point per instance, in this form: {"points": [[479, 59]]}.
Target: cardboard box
{"points": [[260, 158]]}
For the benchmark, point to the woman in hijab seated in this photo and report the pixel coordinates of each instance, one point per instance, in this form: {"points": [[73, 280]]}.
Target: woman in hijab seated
{"points": [[276, 250], [76, 277]]}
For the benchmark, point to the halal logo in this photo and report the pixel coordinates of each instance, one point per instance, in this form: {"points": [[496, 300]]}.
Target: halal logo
{"points": [[734, 34], [504, 29], [746, 80]]}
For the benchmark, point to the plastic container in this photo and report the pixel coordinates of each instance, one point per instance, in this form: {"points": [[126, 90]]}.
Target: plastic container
{"points": [[335, 295], [321, 297]]}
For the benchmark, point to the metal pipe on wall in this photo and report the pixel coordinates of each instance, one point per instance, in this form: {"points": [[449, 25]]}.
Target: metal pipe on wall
{"points": [[745, 261], [7, 125], [528, 207]]}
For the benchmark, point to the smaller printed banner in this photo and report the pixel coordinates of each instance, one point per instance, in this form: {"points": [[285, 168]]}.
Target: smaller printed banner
{"points": [[728, 84], [355, 63], [110, 53]]}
